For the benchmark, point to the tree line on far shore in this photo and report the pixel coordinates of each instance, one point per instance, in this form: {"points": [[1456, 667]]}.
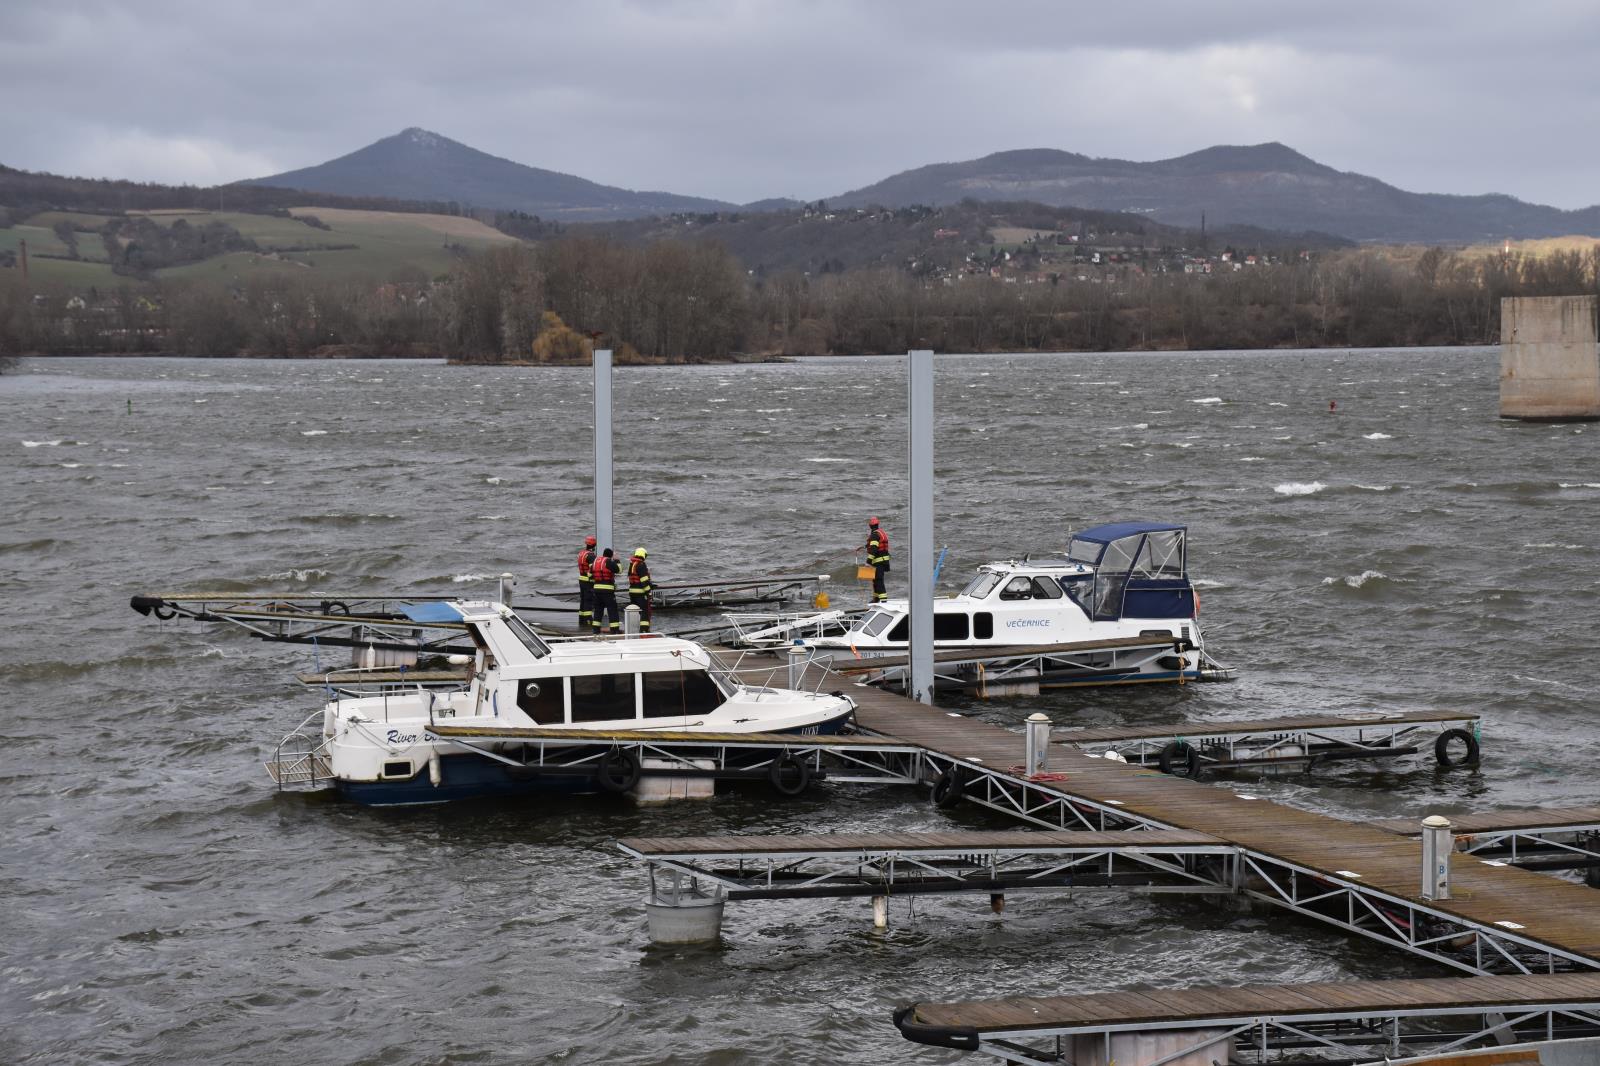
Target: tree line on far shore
{"points": [[674, 300]]}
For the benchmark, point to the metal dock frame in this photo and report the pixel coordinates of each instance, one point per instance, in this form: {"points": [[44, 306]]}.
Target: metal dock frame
{"points": [[1361, 1021]]}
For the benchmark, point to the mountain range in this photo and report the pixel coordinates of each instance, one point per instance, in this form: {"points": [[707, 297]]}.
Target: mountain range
{"points": [[416, 164], [1267, 185]]}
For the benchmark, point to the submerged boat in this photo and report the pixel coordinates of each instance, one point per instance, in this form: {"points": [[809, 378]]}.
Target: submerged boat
{"points": [[381, 749], [1117, 607]]}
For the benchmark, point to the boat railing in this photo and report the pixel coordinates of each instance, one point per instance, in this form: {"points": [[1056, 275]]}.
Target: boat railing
{"points": [[795, 674], [770, 629], [301, 758]]}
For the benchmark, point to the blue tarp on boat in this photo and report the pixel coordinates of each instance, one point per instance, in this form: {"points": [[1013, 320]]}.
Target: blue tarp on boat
{"points": [[437, 611], [1117, 530]]}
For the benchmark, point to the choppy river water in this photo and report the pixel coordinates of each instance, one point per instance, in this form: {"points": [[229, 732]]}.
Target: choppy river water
{"points": [[164, 905]]}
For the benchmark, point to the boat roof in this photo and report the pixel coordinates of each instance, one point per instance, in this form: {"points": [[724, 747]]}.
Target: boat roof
{"points": [[1117, 530]]}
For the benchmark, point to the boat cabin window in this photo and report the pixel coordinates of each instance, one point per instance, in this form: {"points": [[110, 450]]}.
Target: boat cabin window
{"points": [[602, 697], [982, 585], [680, 693], [1018, 588], [543, 699], [898, 635], [1162, 555], [876, 622], [1079, 589], [1045, 589], [983, 626], [529, 638], [949, 625], [1085, 551]]}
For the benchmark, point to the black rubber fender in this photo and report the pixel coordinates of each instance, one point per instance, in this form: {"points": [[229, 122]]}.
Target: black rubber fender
{"points": [[617, 771], [949, 789], [962, 1039], [1441, 748], [789, 775], [1179, 759]]}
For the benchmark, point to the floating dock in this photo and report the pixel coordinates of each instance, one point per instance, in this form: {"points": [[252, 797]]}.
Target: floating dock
{"points": [[1358, 1021], [1368, 879]]}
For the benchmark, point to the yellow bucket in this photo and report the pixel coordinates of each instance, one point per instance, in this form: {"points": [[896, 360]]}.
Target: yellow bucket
{"points": [[866, 573]]}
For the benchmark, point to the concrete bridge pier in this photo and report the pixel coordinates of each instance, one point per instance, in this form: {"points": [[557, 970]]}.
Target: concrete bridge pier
{"points": [[1550, 359]]}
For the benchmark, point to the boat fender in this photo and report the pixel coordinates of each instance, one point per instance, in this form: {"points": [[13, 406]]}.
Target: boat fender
{"points": [[1179, 759], [788, 775], [435, 771], [1441, 748], [949, 789], [618, 771]]}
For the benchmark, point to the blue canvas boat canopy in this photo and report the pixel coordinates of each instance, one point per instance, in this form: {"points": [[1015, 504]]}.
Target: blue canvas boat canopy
{"points": [[431, 612], [1117, 530]]}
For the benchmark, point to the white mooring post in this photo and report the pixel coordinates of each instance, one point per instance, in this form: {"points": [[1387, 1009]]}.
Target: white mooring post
{"points": [[919, 390], [507, 583], [602, 448], [880, 912], [797, 664], [1038, 751], [630, 620], [1437, 844]]}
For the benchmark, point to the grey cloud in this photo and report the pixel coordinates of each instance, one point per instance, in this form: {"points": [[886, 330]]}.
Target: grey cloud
{"points": [[743, 100]]}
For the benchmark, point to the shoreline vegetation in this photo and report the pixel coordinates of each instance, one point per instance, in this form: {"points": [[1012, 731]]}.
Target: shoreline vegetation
{"points": [[676, 301]]}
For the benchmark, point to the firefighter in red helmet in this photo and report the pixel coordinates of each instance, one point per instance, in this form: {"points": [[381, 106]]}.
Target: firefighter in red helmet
{"points": [[586, 586], [878, 559]]}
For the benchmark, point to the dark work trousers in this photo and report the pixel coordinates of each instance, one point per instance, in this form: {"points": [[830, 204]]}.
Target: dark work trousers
{"points": [[605, 603], [641, 600], [879, 591], [585, 605]]}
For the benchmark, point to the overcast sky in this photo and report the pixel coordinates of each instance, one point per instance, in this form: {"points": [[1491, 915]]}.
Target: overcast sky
{"points": [[744, 99]]}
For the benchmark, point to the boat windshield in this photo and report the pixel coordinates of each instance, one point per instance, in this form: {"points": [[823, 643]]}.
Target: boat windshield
{"points": [[981, 585], [529, 638], [874, 622]]}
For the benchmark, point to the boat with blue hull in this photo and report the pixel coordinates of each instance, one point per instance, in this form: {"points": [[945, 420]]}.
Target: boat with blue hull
{"points": [[382, 749]]}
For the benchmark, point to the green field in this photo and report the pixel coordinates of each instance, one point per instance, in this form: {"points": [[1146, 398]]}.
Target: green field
{"points": [[77, 218], [43, 242], [386, 243]]}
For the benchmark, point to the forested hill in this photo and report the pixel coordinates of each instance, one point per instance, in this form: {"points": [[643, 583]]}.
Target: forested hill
{"points": [[416, 164], [821, 238], [1268, 185]]}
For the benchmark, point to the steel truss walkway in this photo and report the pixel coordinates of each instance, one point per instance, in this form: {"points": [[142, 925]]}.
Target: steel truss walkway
{"points": [[862, 864], [1366, 1021]]}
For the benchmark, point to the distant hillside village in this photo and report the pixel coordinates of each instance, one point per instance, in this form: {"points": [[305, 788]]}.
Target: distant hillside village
{"points": [[79, 275]]}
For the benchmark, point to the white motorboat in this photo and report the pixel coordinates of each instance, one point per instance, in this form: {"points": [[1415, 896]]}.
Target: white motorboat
{"points": [[1116, 608], [379, 749]]}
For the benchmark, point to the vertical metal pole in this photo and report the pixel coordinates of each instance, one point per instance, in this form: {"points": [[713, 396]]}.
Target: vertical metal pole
{"points": [[507, 583], [920, 536], [602, 448]]}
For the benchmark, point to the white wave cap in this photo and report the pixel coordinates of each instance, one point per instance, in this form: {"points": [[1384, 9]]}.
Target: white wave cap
{"points": [[1298, 488], [1356, 581]]}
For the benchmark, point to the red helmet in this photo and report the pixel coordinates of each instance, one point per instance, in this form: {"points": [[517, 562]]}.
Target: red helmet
{"points": [[872, 521], [588, 542]]}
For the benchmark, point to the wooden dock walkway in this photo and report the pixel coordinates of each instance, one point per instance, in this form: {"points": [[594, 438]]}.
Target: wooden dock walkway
{"points": [[1234, 1010], [1563, 917]]}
